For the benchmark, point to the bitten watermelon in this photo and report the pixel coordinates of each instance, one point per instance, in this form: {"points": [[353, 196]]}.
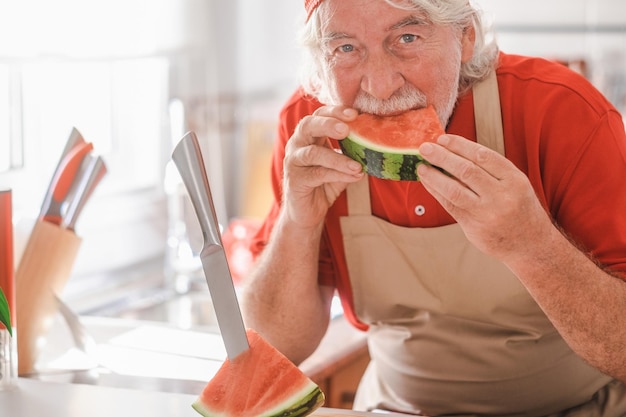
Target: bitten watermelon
{"points": [[386, 146], [260, 382]]}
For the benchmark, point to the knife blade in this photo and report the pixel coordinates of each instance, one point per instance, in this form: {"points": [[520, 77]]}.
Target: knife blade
{"points": [[94, 171], [74, 140], [187, 157], [63, 182]]}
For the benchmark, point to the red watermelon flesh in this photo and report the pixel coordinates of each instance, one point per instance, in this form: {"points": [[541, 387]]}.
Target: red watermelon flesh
{"points": [[387, 146], [260, 382]]}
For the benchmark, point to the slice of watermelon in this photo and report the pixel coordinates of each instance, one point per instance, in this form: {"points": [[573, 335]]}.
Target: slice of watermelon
{"points": [[260, 382], [386, 147]]}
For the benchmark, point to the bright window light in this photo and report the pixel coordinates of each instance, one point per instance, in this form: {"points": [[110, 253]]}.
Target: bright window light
{"points": [[82, 29]]}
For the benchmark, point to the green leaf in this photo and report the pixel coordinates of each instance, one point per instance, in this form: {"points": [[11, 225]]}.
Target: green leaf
{"points": [[5, 313]]}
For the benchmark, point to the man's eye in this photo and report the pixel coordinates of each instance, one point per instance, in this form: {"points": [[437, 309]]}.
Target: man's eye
{"points": [[346, 48], [408, 38]]}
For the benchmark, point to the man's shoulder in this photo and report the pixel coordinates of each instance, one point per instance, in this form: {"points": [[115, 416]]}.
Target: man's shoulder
{"points": [[537, 68], [298, 105], [548, 79]]}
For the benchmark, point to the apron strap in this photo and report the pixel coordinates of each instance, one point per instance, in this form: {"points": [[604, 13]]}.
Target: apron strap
{"points": [[489, 132], [487, 113], [358, 195]]}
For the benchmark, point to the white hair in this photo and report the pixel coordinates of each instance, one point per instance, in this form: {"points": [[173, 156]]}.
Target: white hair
{"points": [[459, 13]]}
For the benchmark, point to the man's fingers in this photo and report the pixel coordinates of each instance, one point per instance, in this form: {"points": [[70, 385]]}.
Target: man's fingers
{"points": [[309, 147], [326, 122], [477, 167], [450, 192], [487, 159], [318, 159]]}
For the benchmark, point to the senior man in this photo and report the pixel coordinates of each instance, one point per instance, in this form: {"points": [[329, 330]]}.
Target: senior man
{"points": [[497, 290]]}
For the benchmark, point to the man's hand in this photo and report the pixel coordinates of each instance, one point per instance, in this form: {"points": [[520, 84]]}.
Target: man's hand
{"points": [[500, 213], [315, 174], [489, 197]]}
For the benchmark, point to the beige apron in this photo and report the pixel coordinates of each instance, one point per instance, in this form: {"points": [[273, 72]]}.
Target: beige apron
{"points": [[452, 330]]}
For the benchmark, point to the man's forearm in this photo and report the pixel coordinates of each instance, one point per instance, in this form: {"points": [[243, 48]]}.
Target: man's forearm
{"points": [[585, 303], [282, 299]]}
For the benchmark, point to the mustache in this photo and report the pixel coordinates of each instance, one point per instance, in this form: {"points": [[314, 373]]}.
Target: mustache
{"points": [[404, 99]]}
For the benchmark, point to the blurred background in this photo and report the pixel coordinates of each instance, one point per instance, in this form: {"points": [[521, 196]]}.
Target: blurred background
{"points": [[134, 75]]}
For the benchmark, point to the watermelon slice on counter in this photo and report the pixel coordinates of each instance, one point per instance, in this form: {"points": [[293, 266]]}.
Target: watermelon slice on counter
{"points": [[260, 382], [386, 146]]}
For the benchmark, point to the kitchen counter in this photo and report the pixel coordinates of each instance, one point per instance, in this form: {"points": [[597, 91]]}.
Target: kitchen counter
{"points": [[142, 335], [159, 356], [32, 398]]}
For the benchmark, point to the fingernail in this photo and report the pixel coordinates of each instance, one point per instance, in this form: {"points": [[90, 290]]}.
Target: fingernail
{"points": [[349, 112], [426, 148], [421, 170], [342, 128], [355, 166]]}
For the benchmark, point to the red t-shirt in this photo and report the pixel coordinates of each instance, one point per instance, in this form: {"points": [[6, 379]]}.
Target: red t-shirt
{"points": [[558, 129]]}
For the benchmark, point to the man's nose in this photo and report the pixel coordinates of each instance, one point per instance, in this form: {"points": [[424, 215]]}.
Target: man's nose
{"points": [[381, 77]]}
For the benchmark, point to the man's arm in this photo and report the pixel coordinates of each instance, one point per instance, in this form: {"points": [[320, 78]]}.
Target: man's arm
{"points": [[499, 212], [586, 304], [282, 299]]}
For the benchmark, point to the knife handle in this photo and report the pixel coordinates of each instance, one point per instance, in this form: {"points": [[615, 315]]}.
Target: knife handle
{"points": [[187, 156], [75, 140]]}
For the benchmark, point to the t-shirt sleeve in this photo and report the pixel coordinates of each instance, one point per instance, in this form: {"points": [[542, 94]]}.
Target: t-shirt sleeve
{"points": [[592, 209], [570, 141]]}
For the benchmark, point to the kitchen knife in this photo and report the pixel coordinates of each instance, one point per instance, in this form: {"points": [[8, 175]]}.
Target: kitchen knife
{"points": [[187, 157], [94, 171], [73, 141], [62, 183]]}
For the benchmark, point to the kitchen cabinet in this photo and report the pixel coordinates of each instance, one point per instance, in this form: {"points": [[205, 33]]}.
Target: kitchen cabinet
{"points": [[340, 387]]}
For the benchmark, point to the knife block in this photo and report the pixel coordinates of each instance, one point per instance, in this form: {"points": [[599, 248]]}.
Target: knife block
{"points": [[43, 271]]}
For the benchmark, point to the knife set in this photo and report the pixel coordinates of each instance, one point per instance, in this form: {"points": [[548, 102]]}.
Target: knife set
{"points": [[52, 246]]}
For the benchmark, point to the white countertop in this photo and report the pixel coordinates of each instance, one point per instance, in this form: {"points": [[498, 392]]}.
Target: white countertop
{"points": [[33, 398], [125, 352]]}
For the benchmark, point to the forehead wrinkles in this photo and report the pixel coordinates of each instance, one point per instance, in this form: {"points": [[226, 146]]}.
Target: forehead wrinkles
{"points": [[412, 20]]}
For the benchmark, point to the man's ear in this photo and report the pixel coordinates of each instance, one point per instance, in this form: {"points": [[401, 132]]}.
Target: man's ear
{"points": [[467, 43]]}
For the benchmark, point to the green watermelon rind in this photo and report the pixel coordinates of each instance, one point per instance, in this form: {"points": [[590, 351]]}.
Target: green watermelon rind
{"points": [[302, 403], [397, 165], [304, 407]]}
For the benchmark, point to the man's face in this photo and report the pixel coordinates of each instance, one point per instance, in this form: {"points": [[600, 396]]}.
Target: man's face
{"points": [[384, 60]]}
